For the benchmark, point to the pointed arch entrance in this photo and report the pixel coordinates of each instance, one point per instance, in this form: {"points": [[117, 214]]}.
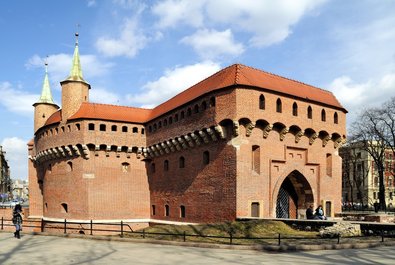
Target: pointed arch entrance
{"points": [[295, 193]]}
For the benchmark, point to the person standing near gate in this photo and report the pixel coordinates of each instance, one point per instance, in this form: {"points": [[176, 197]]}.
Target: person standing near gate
{"points": [[310, 212], [17, 219]]}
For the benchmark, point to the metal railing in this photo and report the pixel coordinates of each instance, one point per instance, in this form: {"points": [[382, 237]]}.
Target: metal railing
{"points": [[119, 228]]}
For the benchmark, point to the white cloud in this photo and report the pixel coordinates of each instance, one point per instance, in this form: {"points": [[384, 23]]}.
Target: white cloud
{"points": [[211, 44], [101, 95], [129, 43], [173, 82], [356, 96], [267, 21], [91, 3], [16, 154], [16, 100]]}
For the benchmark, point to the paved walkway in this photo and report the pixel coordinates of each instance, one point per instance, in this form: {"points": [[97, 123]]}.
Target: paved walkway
{"points": [[39, 249]]}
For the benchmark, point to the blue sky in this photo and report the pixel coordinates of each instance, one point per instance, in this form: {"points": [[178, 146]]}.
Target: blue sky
{"points": [[141, 53]]}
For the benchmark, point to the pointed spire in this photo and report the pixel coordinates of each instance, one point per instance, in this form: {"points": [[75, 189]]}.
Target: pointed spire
{"points": [[76, 71], [46, 95]]}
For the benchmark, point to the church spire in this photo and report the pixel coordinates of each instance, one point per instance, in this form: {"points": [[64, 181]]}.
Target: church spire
{"points": [[46, 95], [76, 71]]}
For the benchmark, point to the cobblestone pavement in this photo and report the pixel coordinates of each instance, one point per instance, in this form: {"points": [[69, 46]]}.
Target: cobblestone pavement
{"points": [[40, 249]]}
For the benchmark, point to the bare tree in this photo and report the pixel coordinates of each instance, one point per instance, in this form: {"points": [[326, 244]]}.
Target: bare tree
{"points": [[370, 131]]}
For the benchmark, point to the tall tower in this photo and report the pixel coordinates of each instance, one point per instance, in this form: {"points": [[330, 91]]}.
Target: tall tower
{"points": [[45, 106], [75, 90]]}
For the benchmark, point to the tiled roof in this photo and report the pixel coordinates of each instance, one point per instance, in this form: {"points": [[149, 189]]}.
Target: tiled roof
{"points": [[236, 74]]}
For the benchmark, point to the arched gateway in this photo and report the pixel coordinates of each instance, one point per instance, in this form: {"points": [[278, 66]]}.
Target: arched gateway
{"points": [[295, 193]]}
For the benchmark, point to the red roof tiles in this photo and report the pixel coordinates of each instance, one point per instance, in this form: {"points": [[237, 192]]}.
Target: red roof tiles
{"points": [[236, 74]]}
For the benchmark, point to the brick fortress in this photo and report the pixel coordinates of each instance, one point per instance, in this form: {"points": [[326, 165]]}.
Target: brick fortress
{"points": [[241, 143]]}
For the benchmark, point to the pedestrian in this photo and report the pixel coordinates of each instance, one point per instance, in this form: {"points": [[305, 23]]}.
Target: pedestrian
{"points": [[319, 212], [17, 219], [310, 212]]}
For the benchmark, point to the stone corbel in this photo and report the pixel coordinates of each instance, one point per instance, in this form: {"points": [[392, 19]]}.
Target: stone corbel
{"points": [[76, 150], [338, 142], [325, 140], [212, 134], [312, 138], [176, 144], [249, 128], [139, 152], [108, 150], [298, 135], [189, 141], [182, 142], [156, 152], [119, 149], [68, 151], [236, 126], [165, 147], [159, 148], [97, 149], [283, 132], [266, 130], [171, 146], [196, 139], [204, 136], [220, 131], [85, 151]]}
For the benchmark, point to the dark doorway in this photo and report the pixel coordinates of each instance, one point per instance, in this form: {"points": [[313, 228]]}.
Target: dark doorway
{"points": [[287, 201]]}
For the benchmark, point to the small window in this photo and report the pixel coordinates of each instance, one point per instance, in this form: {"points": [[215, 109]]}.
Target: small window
{"points": [[261, 102], [335, 118], [159, 125], [295, 109], [204, 105], [114, 128], [68, 128], [196, 109], [256, 158], [124, 128], [309, 113], [135, 130], [91, 126], [279, 106], [181, 162], [102, 127], [125, 167], [255, 209], [153, 210], [166, 165], [62, 128], [212, 102], [69, 166], [154, 129], [176, 117], [206, 158], [170, 120], [64, 208], [323, 115], [56, 131], [142, 131], [150, 128], [153, 167], [78, 126], [182, 211], [189, 112], [167, 210], [165, 122], [182, 115], [49, 168]]}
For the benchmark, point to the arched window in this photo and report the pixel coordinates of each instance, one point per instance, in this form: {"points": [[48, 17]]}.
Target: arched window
{"points": [[255, 209], [114, 128], [135, 130], [256, 158], [295, 109], [69, 166], [167, 210], [124, 128], [176, 117], [212, 102], [150, 128], [159, 124], [166, 165], [182, 115], [196, 109], [189, 112], [323, 115], [142, 130], [182, 211], [154, 128], [64, 208], [102, 127], [78, 126], [125, 167], [309, 113], [279, 106], [335, 118], [165, 122], [261, 102], [181, 162], [170, 120], [204, 105], [206, 158]]}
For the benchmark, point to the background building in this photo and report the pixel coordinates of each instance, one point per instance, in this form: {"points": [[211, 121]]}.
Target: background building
{"points": [[5, 179], [241, 143], [360, 182]]}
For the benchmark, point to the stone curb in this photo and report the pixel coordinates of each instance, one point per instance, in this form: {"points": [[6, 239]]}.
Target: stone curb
{"points": [[256, 247]]}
